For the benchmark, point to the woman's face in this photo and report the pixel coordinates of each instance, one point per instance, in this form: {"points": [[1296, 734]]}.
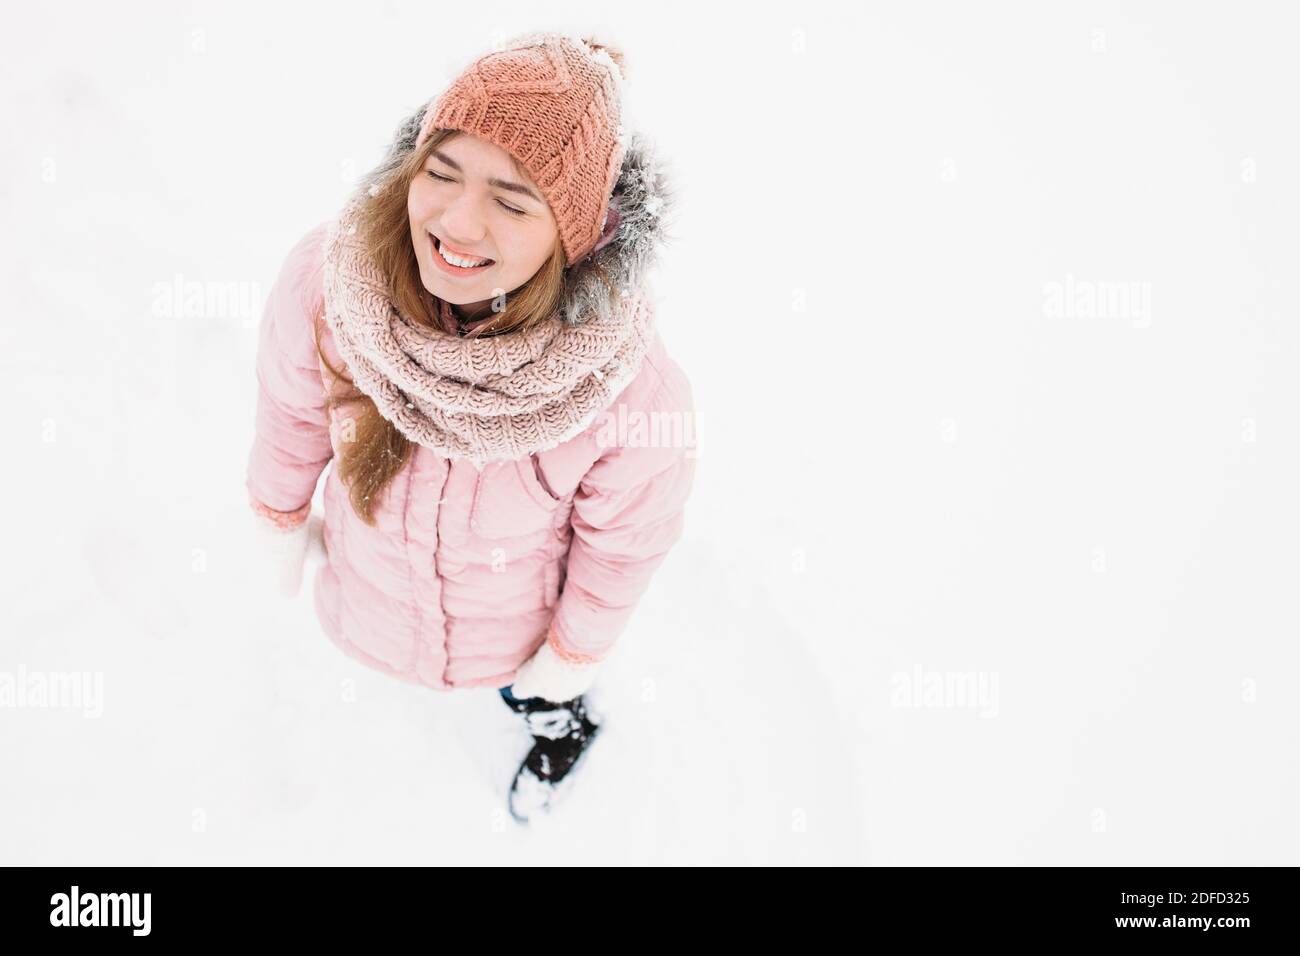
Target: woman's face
{"points": [[469, 202]]}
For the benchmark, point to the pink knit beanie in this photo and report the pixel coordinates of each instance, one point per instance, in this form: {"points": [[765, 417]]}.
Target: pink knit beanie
{"points": [[551, 100]]}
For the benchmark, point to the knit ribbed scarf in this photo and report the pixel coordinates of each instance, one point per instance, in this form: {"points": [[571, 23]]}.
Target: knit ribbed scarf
{"points": [[486, 399]]}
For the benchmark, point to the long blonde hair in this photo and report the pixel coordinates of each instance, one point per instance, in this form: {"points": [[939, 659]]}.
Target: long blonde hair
{"points": [[377, 450]]}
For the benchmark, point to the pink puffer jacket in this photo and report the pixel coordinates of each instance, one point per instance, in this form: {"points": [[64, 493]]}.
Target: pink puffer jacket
{"points": [[465, 573]]}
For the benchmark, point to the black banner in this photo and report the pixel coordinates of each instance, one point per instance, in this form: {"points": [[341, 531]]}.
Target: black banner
{"points": [[931, 905]]}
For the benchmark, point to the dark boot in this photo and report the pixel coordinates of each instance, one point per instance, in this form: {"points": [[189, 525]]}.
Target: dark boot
{"points": [[561, 735]]}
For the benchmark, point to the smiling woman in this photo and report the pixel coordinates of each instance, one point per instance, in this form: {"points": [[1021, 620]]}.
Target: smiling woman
{"points": [[478, 532]]}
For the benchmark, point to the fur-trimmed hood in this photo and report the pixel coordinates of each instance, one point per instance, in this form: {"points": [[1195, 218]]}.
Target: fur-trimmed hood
{"points": [[644, 198]]}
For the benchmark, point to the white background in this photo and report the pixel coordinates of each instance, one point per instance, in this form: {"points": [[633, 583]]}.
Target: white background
{"points": [[911, 465]]}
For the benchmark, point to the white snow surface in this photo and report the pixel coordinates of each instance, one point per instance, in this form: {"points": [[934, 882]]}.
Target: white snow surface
{"points": [[964, 580]]}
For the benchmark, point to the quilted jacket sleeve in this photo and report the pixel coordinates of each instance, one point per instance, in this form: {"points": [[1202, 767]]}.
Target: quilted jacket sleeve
{"points": [[291, 444], [628, 512]]}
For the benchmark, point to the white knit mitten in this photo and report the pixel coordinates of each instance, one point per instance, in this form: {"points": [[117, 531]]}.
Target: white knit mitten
{"points": [[284, 550], [546, 674]]}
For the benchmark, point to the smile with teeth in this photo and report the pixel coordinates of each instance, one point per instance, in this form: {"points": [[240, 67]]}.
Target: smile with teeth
{"points": [[459, 261]]}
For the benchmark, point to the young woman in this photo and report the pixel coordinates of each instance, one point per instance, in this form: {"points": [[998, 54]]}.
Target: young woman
{"points": [[471, 342]]}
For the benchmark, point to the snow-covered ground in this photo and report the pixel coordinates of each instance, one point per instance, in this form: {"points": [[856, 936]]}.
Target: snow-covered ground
{"points": [[991, 556]]}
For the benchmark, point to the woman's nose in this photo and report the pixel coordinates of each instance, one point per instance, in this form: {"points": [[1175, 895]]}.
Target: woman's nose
{"points": [[461, 224]]}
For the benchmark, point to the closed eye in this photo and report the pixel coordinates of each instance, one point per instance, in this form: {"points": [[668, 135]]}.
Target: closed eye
{"points": [[506, 206]]}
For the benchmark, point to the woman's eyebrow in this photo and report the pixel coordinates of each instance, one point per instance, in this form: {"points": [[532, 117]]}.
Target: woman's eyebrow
{"points": [[499, 183]]}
